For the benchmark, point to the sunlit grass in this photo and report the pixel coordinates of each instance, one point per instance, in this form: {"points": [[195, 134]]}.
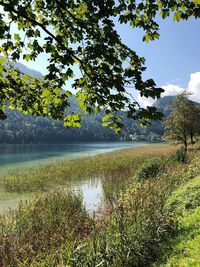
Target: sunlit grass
{"points": [[184, 248]]}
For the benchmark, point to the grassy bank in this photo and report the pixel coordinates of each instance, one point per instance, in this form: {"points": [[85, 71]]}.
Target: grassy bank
{"points": [[184, 248], [144, 210]]}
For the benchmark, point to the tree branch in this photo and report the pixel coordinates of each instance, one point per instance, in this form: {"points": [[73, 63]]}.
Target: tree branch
{"points": [[36, 23]]}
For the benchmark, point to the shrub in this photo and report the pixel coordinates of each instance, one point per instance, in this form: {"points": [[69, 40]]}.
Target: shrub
{"points": [[148, 169], [179, 156]]}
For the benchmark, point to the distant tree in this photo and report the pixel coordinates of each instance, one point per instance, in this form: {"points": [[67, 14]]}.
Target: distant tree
{"points": [[184, 121], [81, 35]]}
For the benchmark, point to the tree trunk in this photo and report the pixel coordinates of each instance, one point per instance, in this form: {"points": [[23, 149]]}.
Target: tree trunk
{"points": [[192, 139], [185, 143]]}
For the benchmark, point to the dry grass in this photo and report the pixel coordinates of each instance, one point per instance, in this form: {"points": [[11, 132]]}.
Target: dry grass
{"points": [[117, 165]]}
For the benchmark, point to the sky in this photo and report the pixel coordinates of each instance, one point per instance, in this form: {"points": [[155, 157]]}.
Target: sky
{"points": [[173, 61]]}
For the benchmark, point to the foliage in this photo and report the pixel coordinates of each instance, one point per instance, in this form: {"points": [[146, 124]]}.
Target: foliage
{"points": [[179, 156], [148, 169], [81, 34], [184, 121]]}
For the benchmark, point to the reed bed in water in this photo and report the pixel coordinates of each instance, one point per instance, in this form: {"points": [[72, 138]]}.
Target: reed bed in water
{"points": [[115, 166]]}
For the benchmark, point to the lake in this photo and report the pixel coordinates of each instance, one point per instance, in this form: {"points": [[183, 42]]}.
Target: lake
{"points": [[12, 156], [25, 156]]}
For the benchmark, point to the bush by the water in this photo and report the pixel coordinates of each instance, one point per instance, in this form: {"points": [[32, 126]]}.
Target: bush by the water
{"points": [[179, 156], [149, 169]]}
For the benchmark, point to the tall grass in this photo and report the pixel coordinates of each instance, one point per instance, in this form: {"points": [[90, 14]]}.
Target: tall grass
{"points": [[40, 227], [130, 236]]}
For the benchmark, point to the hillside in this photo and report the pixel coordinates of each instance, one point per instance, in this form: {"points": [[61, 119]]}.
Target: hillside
{"points": [[20, 128], [164, 104], [26, 70]]}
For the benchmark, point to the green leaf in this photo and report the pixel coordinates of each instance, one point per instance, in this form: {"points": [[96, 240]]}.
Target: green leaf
{"points": [[46, 93], [196, 2], [17, 37], [177, 16], [2, 60], [11, 106]]}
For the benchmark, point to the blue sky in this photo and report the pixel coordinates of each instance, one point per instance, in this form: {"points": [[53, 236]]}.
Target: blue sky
{"points": [[174, 56], [173, 61]]}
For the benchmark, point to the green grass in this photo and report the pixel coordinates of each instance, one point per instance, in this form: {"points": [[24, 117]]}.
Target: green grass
{"points": [[184, 249]]}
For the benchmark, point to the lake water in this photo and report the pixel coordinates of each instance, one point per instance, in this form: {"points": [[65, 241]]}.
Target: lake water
{"points": [[28, 155], [24, 156]]}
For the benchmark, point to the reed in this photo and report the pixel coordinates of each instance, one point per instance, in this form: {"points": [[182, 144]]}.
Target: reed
{"points": [[114, 166], [40, 227]]}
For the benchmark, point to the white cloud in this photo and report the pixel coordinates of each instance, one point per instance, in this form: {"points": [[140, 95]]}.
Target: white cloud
{"points": [[172, 89], [143, 101], [194, 86]]}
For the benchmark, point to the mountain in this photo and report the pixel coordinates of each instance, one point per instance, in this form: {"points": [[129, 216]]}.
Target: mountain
{"points": [[20, 128], [165, 101], [163, 105], [26, 70]]}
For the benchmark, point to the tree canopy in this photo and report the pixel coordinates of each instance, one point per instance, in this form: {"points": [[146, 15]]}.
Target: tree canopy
{"points": [[81, 34], [184, 121]]}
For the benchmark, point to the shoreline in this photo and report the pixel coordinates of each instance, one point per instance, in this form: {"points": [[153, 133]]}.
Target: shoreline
{"points": [[37, 163]]}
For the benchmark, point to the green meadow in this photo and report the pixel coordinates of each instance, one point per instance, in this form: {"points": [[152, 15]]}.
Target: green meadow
{"points": [[149, 217]]}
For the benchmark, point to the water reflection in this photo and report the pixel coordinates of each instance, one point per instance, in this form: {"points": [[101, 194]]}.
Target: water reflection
{"points": [[19, 156], [91, 190], [92, 193]]}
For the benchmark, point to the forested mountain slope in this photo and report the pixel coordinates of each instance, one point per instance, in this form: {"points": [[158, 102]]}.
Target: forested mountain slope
{"points": [[20, 128]]}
